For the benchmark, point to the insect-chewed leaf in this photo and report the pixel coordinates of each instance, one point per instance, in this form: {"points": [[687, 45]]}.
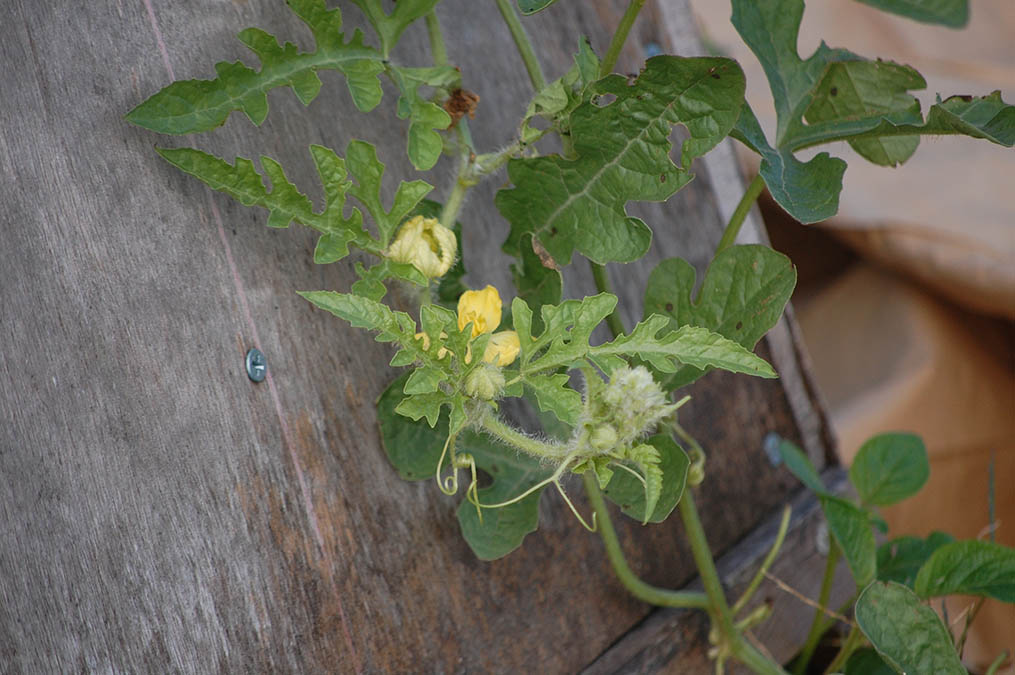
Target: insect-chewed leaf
{"points": [[906, 633], [844, 97], [951, 13], [537, 284], [622, 150], [743, 294], [190, 106], [501, 530]]}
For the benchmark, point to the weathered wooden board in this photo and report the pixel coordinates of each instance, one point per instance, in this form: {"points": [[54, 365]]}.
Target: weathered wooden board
{"points": [[159, 511]]}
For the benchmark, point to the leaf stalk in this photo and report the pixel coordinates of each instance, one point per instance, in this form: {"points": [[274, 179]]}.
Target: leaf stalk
{"points": [[751, 194], [620, 37], [522, 42]]}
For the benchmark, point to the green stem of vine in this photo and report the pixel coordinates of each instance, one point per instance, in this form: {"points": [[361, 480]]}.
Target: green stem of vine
{"points": [[748, 654], [706, 567], [620, 37], [522, 42], [819, 625], [645, 592], [765, 565], [516, 439], [853, 640], [437, 49], [599, 275], [455, 199], [729, 235]]}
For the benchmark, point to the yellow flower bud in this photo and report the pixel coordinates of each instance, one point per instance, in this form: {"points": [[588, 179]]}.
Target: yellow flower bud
{"points": [[502, 349], [426, 245], [481, 308]]}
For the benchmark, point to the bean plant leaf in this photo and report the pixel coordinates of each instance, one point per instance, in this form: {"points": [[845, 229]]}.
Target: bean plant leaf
{"points": [[800, 466], [533, 6], [969, 568], [629, 494], [867, 661], [907, 634], [285, 203], [622, 153], [742, 296], [900, 559], [426, 118], [190, 106], [501, 530], [389, 27], [951, 13], [852, 531], [889, 468]]}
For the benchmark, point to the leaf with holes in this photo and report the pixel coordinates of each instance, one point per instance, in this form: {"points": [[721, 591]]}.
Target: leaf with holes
{"points": [[622, 154], [190, 106], [742, 296]]}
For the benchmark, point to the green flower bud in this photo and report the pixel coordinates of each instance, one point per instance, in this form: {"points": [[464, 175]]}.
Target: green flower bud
{"points": [[485, 382], [603, 438]]}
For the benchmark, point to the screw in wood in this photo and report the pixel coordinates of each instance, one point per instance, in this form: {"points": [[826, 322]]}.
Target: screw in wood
{"points": [[257, 365]]}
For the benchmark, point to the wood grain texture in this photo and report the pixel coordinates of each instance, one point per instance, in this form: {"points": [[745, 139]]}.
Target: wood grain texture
{"points": [[158, 511]]}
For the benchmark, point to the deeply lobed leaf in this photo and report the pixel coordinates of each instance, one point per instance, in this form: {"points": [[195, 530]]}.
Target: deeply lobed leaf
{"points": [[190, 106], [622, 150]]}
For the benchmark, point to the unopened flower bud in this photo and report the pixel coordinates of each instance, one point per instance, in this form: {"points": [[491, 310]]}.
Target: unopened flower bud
{"points": [[426, 245], [603, 438], [485, 382], [502, 349]]}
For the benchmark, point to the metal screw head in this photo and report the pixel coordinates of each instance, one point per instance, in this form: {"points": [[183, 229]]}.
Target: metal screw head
{"points": [[257, 365]]}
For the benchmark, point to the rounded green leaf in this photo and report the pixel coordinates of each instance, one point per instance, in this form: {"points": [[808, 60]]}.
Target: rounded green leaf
{"points": [[969, 568], [890, 467], [413, 448], [867, 661], [908, 635], [852, 531], [901, 559]]}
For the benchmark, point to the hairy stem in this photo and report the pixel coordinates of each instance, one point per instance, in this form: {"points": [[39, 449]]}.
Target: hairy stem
{"points": [[603, 286], [819, 625], [645, 592], [492, 424], [729, 235], [522, 42], [437, 49], [455, 199], [620, 37]]}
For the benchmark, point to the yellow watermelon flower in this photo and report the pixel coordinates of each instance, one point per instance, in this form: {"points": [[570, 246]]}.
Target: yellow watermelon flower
{"points": [[502, 349], [426, 245], [481, 308]]}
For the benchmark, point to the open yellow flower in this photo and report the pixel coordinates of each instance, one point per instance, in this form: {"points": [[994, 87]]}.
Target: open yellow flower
{"points": [[426, 245], [481, 308]]}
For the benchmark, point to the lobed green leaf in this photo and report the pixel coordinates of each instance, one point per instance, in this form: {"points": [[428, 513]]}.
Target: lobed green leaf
{"points": [[908, 635], [426, 118], [622, 150], [361, 158], [852, 531], [969, 568], [951, 13], [889, 468], [536, 283], [389, 27], [190, 106], [629, 494], [554, 395], [742, 296]]}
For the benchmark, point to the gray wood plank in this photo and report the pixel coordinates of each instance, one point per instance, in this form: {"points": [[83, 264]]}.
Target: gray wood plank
{"points": [[160, 512]]}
